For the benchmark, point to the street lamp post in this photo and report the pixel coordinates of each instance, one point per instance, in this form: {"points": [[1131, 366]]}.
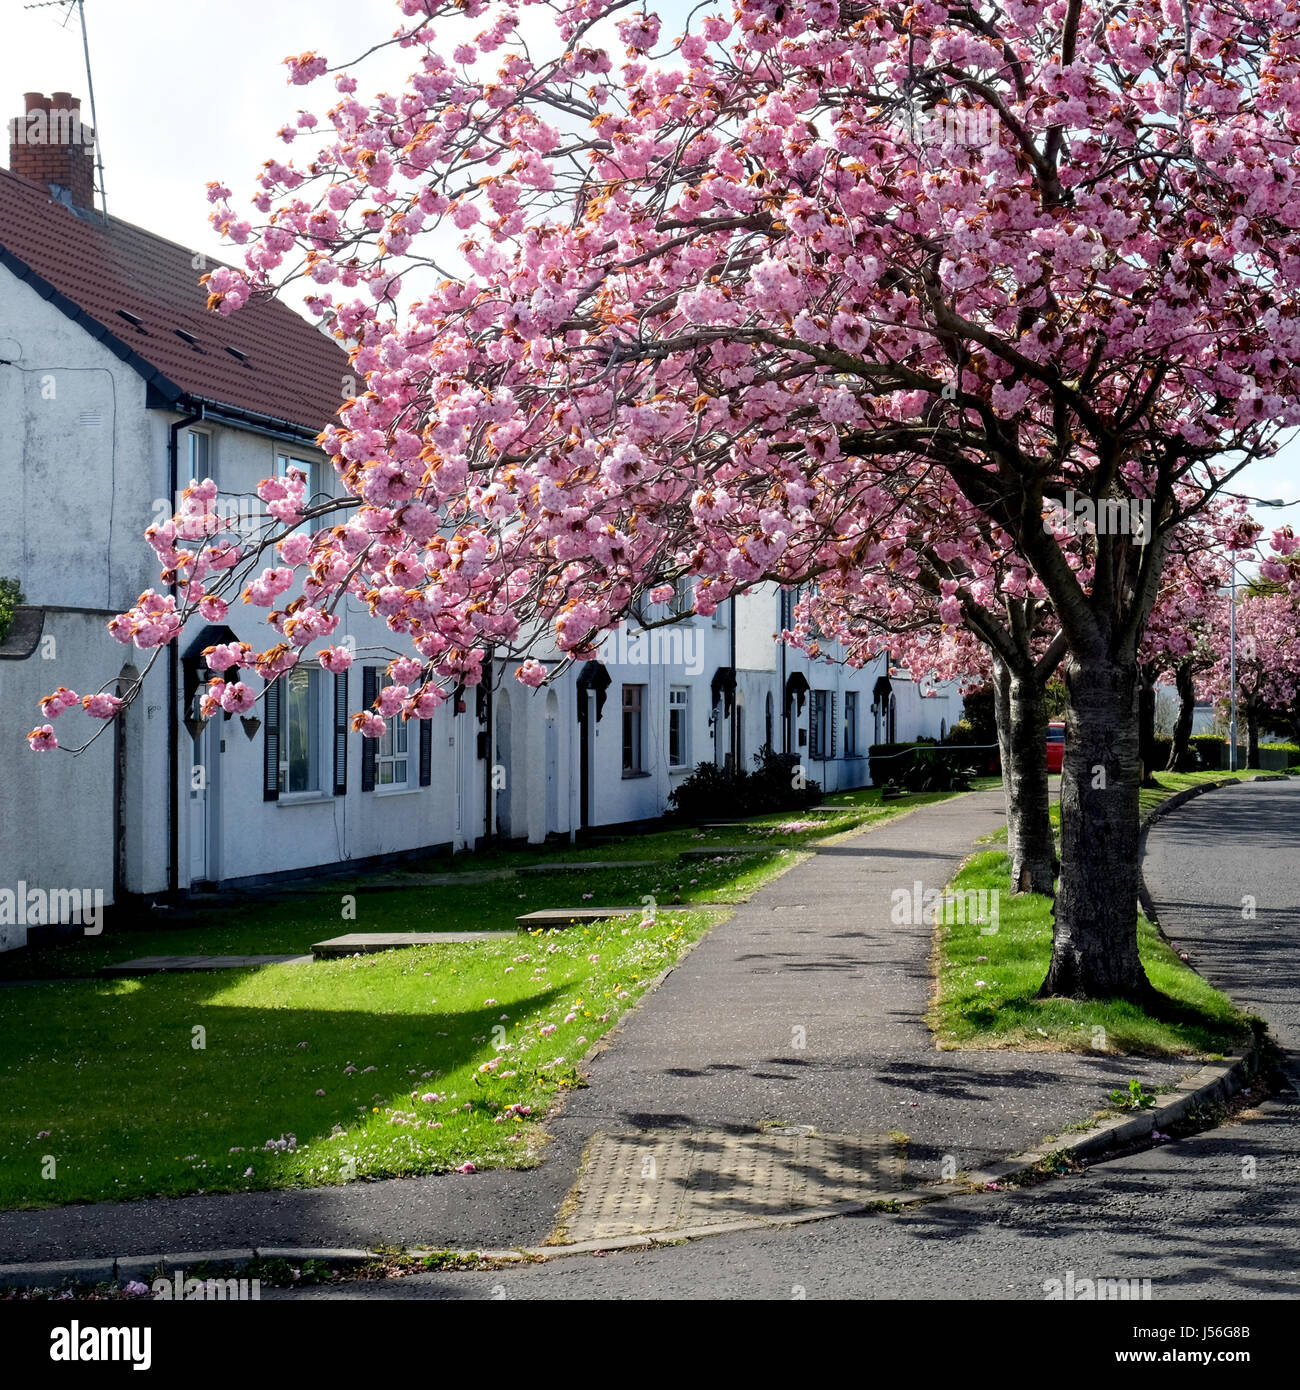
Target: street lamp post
{"points": [[1232, 633], [1232, 671]]}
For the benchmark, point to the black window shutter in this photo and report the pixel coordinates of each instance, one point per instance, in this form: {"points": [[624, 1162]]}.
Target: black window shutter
{"points": [[271, 743], [369, 690], [426, 752], [340, 733]]}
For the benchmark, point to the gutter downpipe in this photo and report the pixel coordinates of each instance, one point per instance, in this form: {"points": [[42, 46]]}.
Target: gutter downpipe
{"points": [[173, 682], [735, 695], [785, 708], [490, 761]]}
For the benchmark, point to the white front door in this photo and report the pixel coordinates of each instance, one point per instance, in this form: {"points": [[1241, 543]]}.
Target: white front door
{"points": [[552, 776], [202, 770]]}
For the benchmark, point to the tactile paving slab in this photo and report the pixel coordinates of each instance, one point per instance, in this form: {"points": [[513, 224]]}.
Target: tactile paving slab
{"points": [[651, 1182]]}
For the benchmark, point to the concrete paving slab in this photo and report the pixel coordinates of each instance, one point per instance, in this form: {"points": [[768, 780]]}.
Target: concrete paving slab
{"points": [[558, 917], [158, 965], [732, 851], [367, 942], [587, 865]]}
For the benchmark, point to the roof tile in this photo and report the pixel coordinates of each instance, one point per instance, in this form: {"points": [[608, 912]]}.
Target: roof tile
{"points": [[145, 292]]}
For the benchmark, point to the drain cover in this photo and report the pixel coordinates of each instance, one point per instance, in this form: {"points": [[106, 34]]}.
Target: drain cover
{"points": [[633, 1184]]}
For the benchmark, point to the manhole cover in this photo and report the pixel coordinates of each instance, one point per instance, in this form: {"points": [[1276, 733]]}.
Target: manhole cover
{"points": [[633, 1184]]}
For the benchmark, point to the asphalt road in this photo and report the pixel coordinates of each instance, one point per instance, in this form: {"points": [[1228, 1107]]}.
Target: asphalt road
{"points": [[1216, 1216]]}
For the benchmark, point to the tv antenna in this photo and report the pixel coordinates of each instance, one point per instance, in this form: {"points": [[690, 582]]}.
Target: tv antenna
{"points": [[67, 6]]}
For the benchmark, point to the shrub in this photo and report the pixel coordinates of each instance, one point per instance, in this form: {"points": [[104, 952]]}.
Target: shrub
{"points": [[930, 772], [886, 762], [988, 759], [930, 768], [11, 596], [1160, 747], [1211, 751], [712, 792], [977, 711]]}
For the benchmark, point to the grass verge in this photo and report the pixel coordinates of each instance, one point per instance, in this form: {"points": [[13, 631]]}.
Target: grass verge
{"points": [[1167, 784], [1171, 783], [987, 982]]}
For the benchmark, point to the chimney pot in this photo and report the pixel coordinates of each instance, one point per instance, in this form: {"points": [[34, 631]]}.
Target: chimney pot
{"points": [[55, 151]]}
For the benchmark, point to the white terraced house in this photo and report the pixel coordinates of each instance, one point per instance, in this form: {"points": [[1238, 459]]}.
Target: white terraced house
{"points": [[117, 388]]}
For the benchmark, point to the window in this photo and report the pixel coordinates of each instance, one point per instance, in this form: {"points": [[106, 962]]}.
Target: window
{"points": [[817, 724], [390, 755], [814, 627], [789, 597], [679, 742], [313, 485], [283, 463], [851, 724], [198, 456], [720, 613], [682, 599], [300, 738], [633, 730]]}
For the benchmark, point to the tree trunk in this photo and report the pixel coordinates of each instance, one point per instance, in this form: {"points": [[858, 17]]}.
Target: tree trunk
{"points": [[1252, 733], [1022, 738], [1147, 726], [1181, 748], [1094, 948]]}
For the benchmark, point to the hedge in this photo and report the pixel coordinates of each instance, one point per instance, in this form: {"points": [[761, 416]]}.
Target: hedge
{"points": [[888, 762]]}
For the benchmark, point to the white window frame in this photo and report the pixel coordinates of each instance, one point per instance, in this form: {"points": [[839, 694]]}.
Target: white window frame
{"points": [[316, 725], [196, 475], [393, 750], [311, 467], [818, 718], [786, 601], [679, 706], [638, 768], [682, 601]]}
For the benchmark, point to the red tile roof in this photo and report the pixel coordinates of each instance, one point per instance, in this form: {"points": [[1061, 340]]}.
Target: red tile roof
{"points": [[140, 295]]}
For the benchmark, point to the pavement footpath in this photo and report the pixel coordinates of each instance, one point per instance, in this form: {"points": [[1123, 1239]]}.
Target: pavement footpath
{"points": [[805, 1008]]}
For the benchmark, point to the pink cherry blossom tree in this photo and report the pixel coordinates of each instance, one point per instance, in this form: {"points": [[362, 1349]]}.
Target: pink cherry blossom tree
{"points": [[954, 598], [733, 295], [1267, 661], [1189, 614]]}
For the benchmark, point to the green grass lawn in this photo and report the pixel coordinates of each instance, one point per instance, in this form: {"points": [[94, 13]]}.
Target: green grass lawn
{"points": [[1167, 784], [1171, 783], [288, 923], [103, 1076], [403, 1062], [987, 983]]}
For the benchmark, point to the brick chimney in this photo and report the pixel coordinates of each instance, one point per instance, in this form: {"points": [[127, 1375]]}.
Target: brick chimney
{"points": [[51, 146]]}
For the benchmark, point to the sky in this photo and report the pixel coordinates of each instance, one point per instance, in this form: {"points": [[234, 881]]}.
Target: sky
{"points": [[192, 90]]}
